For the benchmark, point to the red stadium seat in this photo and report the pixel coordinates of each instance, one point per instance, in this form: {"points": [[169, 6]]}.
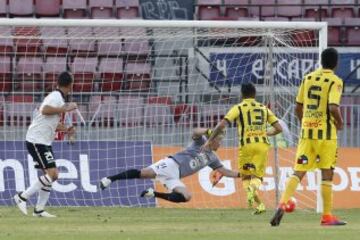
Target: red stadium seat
{"points": [[27, 40], [209, 9], [5, 74], [3, 8], [294, 8], [185, 114], [101, 8], [138, 76], [52, 67], [29, 74], [339, 8], [111, 73], [261, 10], [82, 42], [21, 8], [54, 41], [334, 31], [20, 98], [108, 47], [127, 9], [83, 70], [352, 31], [235, 12], [318, 12], [74, 9], [47, 8]]}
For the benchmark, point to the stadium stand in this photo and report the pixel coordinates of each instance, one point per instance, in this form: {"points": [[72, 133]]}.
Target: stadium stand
{"points": [[101, 8], [127, 9], [108, 67], [47, 8], [21, 8], [111, 74]]}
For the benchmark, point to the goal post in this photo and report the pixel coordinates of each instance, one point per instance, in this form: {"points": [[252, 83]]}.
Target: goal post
{"points": [[142, 86]]}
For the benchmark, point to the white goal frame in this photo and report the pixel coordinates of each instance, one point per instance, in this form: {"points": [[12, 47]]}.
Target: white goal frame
{"points": [[320, 26]]}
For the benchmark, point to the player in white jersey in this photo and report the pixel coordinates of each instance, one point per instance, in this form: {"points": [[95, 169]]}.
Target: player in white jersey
{"points": [[170, 170], [39, 137]]}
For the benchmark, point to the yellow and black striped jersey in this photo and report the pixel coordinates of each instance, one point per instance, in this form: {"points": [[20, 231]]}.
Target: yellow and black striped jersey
{"points": [[317, 91], [251, 118]]}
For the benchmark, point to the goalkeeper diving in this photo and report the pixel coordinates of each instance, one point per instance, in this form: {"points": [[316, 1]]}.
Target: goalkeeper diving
{"points": [[171, 169]]}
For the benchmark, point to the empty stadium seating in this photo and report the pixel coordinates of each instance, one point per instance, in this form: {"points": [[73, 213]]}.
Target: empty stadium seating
{"points": [[317, 9], [75, 9], [127, 9], [29, 74], [138, 76], [5, 74], [209, 9], [47, 8], [83, 70], [52, 67], [21, 8], [3, 8], [236, 12], [101, 8], [111, 73]]}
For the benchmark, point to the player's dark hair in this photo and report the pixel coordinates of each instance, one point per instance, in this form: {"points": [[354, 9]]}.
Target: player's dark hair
{"points": [[64, 79], [329, 58], [248, 90]]}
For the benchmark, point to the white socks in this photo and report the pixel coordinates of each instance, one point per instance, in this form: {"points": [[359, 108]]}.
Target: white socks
{"points": [[42, 182], [43, 197]]}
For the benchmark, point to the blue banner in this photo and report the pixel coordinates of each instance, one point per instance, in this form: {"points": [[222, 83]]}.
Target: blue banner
{"points": [[228, 69], [81, 166]]}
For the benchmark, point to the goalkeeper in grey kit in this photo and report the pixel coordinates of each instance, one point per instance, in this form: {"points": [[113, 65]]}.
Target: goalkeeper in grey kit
{"points": [[171, 169]]}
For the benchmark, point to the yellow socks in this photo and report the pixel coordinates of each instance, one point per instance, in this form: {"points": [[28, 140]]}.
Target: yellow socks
{"points": [[326, 192], [255, 185], [290, 189], [246, 183]]}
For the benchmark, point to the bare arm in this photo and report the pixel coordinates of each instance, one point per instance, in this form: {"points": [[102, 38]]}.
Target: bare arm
{"points": [[218, 129], [49, 110], [335, 113], [275, 130], [198, 132], [62, 128], [299, 111], [228, 173]]}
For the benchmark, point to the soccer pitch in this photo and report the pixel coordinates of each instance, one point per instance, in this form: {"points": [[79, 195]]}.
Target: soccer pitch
{"points": [[154, 223]]}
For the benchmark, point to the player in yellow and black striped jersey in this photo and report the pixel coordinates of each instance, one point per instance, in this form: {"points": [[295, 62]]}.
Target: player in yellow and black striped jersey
{"points": [[252, 119], [317, 107]]}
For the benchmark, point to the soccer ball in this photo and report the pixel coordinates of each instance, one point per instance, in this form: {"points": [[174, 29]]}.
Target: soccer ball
{"points": [[290, 205]]}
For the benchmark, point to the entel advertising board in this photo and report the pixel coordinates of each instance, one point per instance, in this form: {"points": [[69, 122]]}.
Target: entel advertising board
{"points": [[83, 164]]}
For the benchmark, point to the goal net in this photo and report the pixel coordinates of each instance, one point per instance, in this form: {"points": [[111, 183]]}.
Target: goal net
{"points": [[142, 87]]}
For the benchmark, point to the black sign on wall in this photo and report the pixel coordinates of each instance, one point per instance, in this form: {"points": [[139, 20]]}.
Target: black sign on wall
{"points": [[167, 9]]}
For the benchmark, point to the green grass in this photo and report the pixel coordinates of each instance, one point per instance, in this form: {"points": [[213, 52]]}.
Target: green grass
{"points": [[170, 224]]}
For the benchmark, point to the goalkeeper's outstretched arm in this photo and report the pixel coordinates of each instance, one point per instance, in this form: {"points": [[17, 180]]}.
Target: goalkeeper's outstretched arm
{"points": [[228, 173]]}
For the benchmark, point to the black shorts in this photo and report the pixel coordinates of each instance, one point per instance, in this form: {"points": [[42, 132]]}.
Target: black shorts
{"points": [[42, 155]]}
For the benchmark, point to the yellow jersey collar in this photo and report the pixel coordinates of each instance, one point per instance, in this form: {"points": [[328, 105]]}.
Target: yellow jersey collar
{"points": [[249, 99], [327, 71]]}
